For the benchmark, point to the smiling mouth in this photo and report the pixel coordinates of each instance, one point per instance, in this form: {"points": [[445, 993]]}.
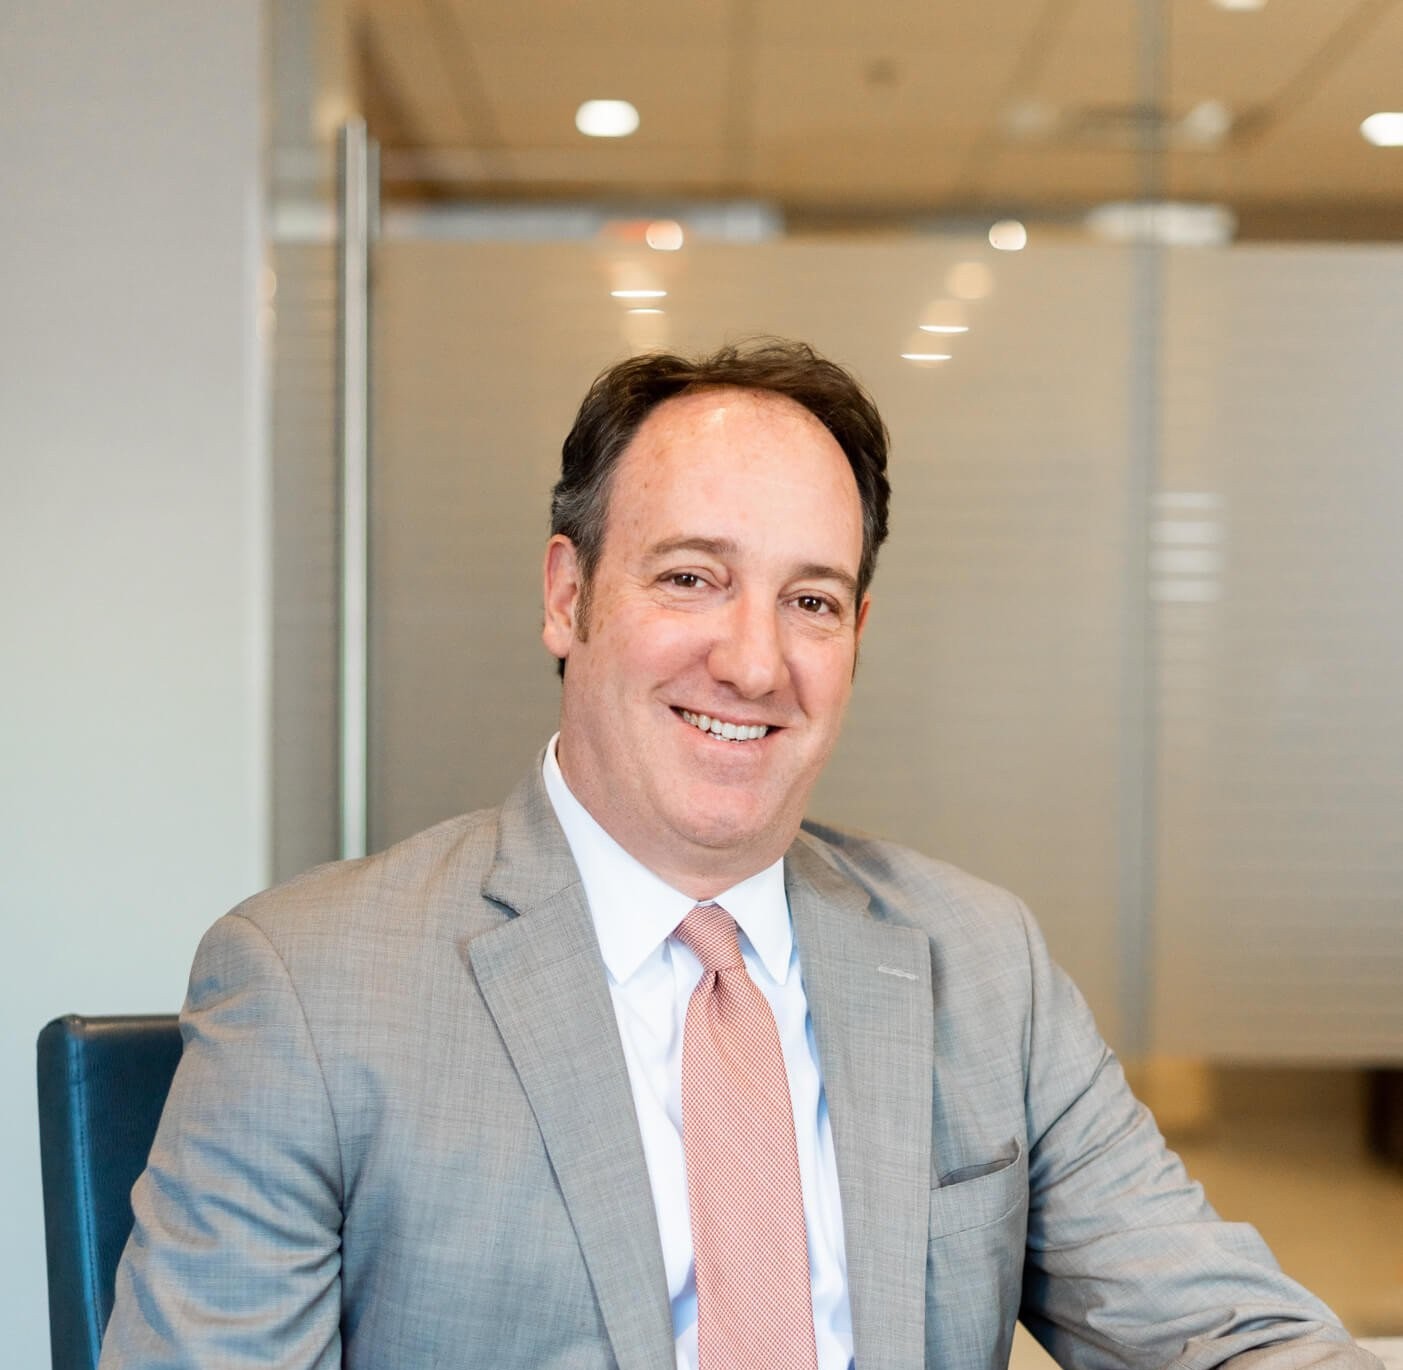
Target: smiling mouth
{"points": [[727, 732]]}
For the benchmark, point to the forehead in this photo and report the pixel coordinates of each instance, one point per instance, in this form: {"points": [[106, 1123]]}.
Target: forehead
{"points": [[715, 431], [695, 414], [744, 466]]}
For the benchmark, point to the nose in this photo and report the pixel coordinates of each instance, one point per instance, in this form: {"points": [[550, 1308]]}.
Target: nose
{"points": [[748, 653]]}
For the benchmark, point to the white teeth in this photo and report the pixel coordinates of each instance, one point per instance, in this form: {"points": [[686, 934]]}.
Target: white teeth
{"points": [[731, 732]]}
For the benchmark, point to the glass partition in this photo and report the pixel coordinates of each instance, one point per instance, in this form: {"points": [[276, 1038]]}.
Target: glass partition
{"points": [[1135, 649], [985, 721], [1277, 584]]}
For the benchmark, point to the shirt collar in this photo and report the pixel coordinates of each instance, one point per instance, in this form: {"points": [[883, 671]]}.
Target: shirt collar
{"points": [[634, 910]]}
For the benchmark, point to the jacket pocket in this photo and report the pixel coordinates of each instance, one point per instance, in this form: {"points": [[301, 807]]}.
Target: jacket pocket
{"points": [[974, 1263], [974, 1197]]}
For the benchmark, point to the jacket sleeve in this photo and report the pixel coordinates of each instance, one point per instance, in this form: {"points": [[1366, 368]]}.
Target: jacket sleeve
{"points": [[234, 1258], [1127, 1264]]}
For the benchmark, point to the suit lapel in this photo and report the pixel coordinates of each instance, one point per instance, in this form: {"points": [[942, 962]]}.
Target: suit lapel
{"points": [[544, 983], [869, 992]]}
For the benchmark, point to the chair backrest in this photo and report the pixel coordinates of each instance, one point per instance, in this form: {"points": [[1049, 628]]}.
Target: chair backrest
{"points": [[102, 1084]]}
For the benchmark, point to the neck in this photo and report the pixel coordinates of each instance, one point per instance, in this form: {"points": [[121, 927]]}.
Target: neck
{"points": [[699, 873], [688, 866]]}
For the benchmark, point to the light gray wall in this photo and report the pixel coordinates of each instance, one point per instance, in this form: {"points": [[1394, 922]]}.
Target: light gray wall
{"points": [[133, 790]]}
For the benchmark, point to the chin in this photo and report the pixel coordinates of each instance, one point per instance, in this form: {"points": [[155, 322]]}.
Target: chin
{"points": [[730, 831]]}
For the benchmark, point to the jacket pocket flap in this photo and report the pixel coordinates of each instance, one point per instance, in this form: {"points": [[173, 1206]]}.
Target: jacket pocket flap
{"points": [[975, 1196]]}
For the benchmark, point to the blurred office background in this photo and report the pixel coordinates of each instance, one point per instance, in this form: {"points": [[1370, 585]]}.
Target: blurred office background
{"points": [[1125, 279]]}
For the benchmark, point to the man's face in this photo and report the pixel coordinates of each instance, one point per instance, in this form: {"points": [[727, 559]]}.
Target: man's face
{"points": [[724, 596]]}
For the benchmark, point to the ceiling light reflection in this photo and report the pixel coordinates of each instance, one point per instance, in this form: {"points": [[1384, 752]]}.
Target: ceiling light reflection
{"points": [[944, 316], [925, 356], [664, 235], [606, 118], [1008, 235], [1171, 223], [645, 311], [1384, 129]]}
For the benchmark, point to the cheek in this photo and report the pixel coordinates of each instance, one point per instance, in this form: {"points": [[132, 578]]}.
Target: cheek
{"points": [[823, 678], [658, 647]]}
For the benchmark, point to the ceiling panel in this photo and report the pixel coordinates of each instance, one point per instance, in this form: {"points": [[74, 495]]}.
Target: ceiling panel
{"points": [[1247, 58], [907, 104], [1371, 68], [536, 89], [816, 172], [1210, 176], [858, 92], [563, 23], [1311, 145], [1021, 178], [954, 25], [1092, 57], [415, 73]]}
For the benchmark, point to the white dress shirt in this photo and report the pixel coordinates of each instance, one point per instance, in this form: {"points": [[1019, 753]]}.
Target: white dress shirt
{"points": [[651, 979]]}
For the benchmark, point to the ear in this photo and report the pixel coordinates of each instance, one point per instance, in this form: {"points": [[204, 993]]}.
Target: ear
{"points": [[562, 596]]}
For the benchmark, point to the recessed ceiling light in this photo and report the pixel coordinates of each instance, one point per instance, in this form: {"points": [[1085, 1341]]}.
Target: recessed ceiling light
{"points": [[1384, 129], [664, 235], [1008, 235], [639, 294], [1241, 4], [606, 118]]}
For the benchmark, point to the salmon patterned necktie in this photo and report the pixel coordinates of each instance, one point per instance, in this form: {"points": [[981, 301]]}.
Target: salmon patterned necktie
{"points": [[754, 1294]]}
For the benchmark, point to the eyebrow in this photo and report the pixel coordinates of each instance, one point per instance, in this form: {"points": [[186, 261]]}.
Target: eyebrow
{"points": [[725, 547]]}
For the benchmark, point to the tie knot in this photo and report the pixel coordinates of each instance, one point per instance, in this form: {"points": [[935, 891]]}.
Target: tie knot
{"points": [[710, 932]]}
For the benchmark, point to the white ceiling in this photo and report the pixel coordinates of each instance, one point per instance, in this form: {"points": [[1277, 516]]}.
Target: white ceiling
{"points": [[833, 110]]}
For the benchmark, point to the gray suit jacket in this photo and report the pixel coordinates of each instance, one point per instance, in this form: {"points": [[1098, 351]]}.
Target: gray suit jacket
{"points": [[402, 1135]]}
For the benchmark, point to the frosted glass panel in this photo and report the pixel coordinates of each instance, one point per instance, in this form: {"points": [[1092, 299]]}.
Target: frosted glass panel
{"points": [[983, 728], [1279, 590]]}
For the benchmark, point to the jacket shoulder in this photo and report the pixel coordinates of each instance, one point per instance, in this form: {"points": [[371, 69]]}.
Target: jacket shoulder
{"points": [[413, 882], [911, 889]]}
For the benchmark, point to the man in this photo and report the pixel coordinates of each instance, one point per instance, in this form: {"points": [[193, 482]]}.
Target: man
{"points": [[517, 1093]]}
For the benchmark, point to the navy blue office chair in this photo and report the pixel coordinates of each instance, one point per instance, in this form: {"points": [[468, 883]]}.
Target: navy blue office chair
{"points": [[102, 1084]]}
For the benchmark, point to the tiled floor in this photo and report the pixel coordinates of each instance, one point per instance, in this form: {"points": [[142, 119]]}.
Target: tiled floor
{"points": [[1285, 1151]]}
